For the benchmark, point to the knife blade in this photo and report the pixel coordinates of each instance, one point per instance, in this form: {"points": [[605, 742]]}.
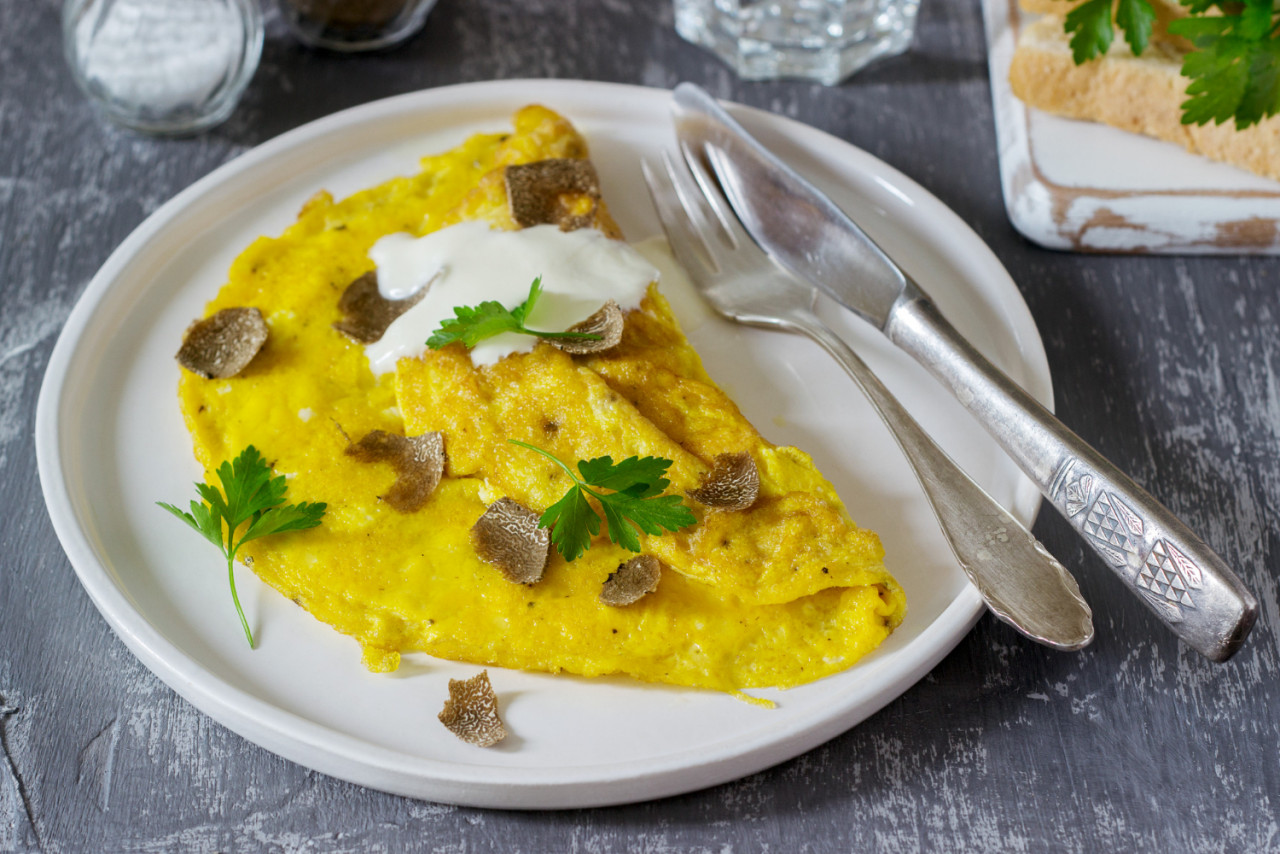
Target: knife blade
{"points": [[795, 223], [1150, 550]]}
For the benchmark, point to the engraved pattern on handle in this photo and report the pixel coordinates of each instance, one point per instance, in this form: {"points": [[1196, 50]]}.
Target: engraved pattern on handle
{"points": [[1168, 578]]}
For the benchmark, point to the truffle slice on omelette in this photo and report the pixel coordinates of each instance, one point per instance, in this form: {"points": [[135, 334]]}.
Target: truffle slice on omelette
{"points": [[778, 594]]}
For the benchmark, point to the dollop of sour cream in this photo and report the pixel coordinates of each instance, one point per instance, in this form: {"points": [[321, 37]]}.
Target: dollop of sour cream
{"points": [[469, 263]]}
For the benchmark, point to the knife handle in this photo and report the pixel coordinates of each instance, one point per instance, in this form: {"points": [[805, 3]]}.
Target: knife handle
{"points": [[1154, 554]]}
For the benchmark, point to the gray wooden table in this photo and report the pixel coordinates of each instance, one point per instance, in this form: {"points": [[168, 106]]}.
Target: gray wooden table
{"points": [[1171, 366]]}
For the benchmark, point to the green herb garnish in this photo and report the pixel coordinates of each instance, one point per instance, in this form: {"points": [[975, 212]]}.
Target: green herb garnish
{"points": [[473, 324], [1091, 32], [633, 504], [252, 496], [1234, 69]]}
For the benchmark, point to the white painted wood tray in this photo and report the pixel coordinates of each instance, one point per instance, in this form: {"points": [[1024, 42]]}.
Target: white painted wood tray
{"points": [[1087, 187]]}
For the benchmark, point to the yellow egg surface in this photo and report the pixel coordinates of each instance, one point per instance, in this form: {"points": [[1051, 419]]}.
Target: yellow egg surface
{"points": [[775, 596]]}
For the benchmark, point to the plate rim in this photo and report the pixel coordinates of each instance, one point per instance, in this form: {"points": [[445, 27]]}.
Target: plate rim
{"points": [[333, 752]]}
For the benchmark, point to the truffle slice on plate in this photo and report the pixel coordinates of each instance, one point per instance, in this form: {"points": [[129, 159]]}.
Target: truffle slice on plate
{"points": [[631, 581], [732, 484], [507, 535], [367, 313], [471, 712], [606, 323], [223, 344], [544, 192], [418, 461]]}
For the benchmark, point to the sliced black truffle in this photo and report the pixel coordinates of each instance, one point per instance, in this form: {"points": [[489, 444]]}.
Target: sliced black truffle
{"points": [[471, 712], [418, 461], [732, 484], [367, 313], [507, 535], [607, 323], [536, 191], [631, 581], [222, 345]]}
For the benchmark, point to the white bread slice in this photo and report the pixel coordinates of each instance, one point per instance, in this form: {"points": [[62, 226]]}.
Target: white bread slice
{"points": [[1166, 11], [1139, 94]]}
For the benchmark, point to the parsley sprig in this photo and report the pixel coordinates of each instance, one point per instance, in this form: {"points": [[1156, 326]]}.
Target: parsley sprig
{"points": [[1234, 69], [473, 324], [633, 504], [250, 495], [1090, 26]]}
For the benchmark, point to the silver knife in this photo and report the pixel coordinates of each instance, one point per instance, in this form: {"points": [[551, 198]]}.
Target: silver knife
{"points": [[1154, 554]]}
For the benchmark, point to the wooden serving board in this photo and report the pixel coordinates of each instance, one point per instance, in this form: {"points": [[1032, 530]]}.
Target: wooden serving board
{"points": [[1086, 187]]}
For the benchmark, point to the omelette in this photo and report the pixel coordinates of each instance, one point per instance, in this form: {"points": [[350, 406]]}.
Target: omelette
{"points": [[779, 594]]}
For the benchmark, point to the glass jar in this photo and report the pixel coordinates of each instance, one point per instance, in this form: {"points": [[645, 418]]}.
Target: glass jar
{"points": [[822, 40], [354, 25], [163, 66]]}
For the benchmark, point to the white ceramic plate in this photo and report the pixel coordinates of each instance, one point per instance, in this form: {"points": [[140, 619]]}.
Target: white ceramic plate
{"points": [[111, 442]]}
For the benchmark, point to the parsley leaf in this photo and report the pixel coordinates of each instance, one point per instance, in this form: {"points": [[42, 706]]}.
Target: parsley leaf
{"points": [[636, 476], [473, 324], [521, 312], [1135, 17], [573, 523], [1234, 71], [631, 507], [249, 495], [1090, 26], [1235, 68]]}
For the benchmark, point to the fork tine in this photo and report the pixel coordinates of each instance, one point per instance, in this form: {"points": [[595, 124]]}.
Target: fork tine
{"points": [[705, 222], [686, 245], [730, 228]]}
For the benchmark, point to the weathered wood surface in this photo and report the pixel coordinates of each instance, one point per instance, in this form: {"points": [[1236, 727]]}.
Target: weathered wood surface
{"points": [[1171, 366]]}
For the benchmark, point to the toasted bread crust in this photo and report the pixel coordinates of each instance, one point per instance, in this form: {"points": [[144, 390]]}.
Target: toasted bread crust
{"points": [[1138, 94]]}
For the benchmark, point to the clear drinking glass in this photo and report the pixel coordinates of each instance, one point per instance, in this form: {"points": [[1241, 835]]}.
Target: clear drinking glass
{"points": [[163, 66], [354, 25], [823, 40]]}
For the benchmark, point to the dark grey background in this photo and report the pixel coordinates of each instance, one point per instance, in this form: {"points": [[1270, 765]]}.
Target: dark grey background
{"points": [[1169, 365]]}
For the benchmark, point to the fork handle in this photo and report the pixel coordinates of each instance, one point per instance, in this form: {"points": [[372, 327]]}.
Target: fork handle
{"points": [[1154, 554], [1019, 580]]}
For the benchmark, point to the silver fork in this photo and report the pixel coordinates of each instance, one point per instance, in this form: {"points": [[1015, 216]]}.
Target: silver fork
{"points": [[1020, 581]]}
